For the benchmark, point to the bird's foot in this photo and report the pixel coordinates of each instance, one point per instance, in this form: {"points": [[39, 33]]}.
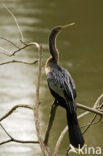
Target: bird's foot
{"points": [[67, 151]]}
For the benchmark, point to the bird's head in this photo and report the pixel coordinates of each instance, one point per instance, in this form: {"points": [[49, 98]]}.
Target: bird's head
{"points": [[66, 26], [58, 29]]}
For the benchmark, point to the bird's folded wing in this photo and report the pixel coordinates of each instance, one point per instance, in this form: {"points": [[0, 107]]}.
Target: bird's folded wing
{"points": [[61, 85]]}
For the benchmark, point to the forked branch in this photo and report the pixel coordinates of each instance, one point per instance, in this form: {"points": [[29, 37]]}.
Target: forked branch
{"points": [[15, 140], [13, 109]]}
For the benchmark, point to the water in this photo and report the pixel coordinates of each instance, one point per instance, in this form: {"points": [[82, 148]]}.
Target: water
{"points": [[80, 52]]}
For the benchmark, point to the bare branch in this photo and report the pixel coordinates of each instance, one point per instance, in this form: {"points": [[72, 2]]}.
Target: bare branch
{"points": [[51, 120], [13, 109], [25, 46], [8, 53], [18, 61], [96, 104], [5, 51], [10, 12], [9, 42], [6, 141], [19, 50], [36, 110], [19, 141], [92, 120], [13, 139], [60, 140], [92, 110], [6, 131], [94, 123]]}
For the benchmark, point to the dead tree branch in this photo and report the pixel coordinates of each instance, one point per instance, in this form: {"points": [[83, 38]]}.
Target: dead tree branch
{"points": [[92, 120], [9, 42], [11, 138], [36, 110], [15, 20], [18, 61], [19, 141], [15, 140], [92, 110], [13, 109], [8, 53], [51, 120]]}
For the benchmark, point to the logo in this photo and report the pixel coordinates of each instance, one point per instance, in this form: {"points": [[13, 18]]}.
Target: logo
{"points": [[86, 150]]}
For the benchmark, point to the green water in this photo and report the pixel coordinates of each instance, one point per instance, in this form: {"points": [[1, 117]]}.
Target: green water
{"points": [[81, 52]]}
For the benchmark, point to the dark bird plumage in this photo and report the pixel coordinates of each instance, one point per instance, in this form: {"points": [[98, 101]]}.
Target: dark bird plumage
{"points": [[62, 88]]}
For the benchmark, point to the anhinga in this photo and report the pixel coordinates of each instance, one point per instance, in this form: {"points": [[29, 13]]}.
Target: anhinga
{"points": [[62, 88]]}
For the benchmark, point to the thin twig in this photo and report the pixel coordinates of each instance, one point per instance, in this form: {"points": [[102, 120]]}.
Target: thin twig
{"points": [[94, 123], [10, 12], [15, 140], [92, 120], [19, 141], [12, 54], [18, 61], [6, 141], [9, 42], [14, 108], [6, 132], [97, 101], [7, 52], [92, 110], [25, 46]]}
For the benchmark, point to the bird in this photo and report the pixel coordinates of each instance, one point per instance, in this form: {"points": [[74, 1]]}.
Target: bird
{"points": [[62, 88]]}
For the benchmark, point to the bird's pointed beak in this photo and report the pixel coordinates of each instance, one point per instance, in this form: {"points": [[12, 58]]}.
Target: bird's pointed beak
{"points": [[68, 25]]}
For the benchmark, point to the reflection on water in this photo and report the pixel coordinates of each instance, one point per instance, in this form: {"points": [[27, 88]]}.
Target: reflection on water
{"points": [[81, 53]]}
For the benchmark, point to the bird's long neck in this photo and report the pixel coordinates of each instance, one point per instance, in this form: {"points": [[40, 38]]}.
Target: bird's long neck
{"points": [[52, 46]]}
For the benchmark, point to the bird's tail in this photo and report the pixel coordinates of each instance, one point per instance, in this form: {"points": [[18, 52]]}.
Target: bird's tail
{"points": [[75, 135]]}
